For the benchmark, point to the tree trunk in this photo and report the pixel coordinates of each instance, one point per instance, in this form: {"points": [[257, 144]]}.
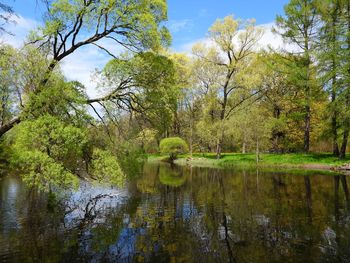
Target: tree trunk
{"points": [[334, 87], [307, 119], [346, 130], [244, 147], [220, 142], [218, 148], [8, 126], [345, 140], [276, 134], [307, 129], [191, 137], [334, 128], [257, 151]]}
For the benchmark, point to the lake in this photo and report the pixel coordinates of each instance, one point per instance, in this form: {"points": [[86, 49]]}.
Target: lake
{"points": [[182, 214]]}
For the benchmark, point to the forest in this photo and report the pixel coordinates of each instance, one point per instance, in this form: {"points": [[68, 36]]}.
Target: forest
{"points": [[229, 95]]}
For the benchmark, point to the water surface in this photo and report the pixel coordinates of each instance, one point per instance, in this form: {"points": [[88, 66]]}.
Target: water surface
{"points": [[182, 214]]}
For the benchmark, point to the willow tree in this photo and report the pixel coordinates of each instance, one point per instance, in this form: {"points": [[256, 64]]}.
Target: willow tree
{"points": [[299, 27], [71, 25], [231, 51]]}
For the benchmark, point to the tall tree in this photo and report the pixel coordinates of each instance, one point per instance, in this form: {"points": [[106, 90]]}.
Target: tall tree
{"points": [[299, 27], [329, 56], [345, 72]]}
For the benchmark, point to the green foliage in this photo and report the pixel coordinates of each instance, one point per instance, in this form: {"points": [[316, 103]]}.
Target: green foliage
{"points": [[136, 24], [145, 84], [9, 70], [44, 173], [47, 151], [147, 140], [105, 168], [173, 147]]}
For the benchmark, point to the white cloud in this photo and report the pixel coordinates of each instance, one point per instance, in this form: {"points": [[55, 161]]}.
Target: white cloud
{"points": [[180, 25], [269, 39], [19, 29], [83, 63], [274, 40]]}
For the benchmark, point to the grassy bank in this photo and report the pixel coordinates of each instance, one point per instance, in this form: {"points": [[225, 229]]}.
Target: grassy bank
{"points": [[295, 160]]}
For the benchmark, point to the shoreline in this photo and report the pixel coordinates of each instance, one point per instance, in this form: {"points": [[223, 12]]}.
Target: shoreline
{"points": [[324, 162]]}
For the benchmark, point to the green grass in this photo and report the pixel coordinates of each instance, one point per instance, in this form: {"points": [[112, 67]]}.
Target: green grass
{"points": [[296, 160]]}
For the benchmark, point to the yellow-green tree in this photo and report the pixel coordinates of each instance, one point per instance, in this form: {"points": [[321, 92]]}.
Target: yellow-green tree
{"points": [[229, 54]]}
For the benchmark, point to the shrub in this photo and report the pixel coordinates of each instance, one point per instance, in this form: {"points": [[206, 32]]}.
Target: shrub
{"points": [[173, 147]]}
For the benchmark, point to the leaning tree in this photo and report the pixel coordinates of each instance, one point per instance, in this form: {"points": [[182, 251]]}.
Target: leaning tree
{"points": [[70, 25]]}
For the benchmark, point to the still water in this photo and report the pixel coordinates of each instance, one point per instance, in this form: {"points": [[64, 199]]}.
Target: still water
{"points": [[182, 214]]}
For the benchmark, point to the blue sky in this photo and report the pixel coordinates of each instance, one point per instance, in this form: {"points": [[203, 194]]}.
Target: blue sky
{"points": [[189, 19]]}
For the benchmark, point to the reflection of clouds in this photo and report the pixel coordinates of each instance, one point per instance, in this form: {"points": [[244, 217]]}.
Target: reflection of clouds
{"points": [[330, 245], [91, 202], [262, 220]]}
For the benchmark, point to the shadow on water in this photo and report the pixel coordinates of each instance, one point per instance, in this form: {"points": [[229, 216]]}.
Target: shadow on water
{"points": [[182, 214]]}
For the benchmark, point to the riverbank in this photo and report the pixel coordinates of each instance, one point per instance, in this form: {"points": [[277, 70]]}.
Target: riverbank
{"points": [[323, 161]]}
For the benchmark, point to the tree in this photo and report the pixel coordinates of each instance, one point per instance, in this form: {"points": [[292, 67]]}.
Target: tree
{"points": [[328, 54], [344, 72], [7, 98], [70, 25], [282, 97], [333, 55], [143, 85], [299, 27], [173, 146], [251, 128], [232, 51], [21, 71]]}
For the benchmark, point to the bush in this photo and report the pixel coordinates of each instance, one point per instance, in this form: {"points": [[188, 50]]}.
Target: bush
{"points": [[173, 147]]}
